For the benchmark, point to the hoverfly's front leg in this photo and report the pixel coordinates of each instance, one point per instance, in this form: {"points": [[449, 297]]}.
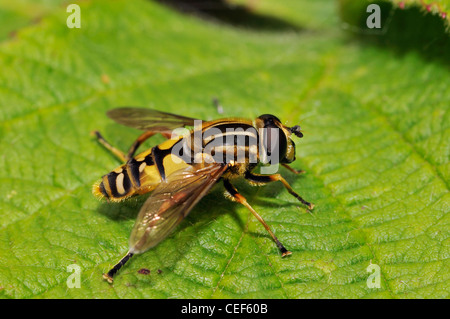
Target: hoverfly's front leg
{"points": [[241, 199], [264, 179], [121, 155]]}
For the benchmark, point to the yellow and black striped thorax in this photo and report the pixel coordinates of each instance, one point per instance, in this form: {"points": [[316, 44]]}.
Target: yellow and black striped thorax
{"points": [[222, 141]]}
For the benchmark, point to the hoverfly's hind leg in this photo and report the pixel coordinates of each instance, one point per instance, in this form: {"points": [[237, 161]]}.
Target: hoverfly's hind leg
{"points": [[264, 179], [293, 170], [110, 274], [241, 199], [121, 155]]}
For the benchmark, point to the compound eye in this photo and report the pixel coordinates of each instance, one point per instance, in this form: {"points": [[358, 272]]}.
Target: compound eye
{"points": [[290, 153]]}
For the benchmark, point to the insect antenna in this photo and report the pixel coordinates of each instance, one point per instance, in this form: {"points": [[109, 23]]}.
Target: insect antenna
{"points": [[296, 130], [109, 276]]}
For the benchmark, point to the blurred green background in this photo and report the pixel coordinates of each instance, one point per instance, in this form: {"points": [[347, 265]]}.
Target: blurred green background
{"points": [[373, 104]]}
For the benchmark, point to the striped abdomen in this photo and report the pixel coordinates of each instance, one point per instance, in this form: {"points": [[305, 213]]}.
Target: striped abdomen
{"points": [[128, 179]]}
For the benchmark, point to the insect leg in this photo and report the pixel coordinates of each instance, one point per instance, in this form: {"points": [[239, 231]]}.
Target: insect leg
{"points": [[264, 179], [125, 158], [293, 170], [109, 276], [120, 155], [241, 199], [143, 137]]}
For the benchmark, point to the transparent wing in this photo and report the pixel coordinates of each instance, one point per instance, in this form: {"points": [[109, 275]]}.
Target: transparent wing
{"points": [[169, 203], [149, 120]]}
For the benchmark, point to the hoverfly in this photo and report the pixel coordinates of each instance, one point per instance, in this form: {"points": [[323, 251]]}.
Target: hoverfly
{"points": [[181, 170]]}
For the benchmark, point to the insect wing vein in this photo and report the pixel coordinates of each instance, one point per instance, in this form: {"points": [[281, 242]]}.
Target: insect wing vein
{"points": [[147, 119], [170, 202]]}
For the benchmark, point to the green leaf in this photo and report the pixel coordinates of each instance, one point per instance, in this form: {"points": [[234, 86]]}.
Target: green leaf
{"points": [[375, 149]]}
